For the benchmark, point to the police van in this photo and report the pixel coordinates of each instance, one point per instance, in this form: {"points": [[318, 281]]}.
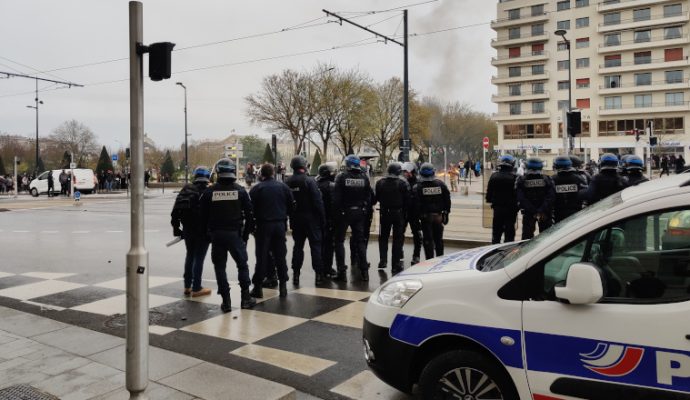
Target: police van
{"points": [[596, 307]]}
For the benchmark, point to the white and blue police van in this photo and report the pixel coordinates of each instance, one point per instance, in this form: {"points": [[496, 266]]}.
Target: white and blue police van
{"points": [[596, 307]]}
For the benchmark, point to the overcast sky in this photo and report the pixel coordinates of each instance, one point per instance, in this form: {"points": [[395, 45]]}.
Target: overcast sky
{"points": [[48, 35]]}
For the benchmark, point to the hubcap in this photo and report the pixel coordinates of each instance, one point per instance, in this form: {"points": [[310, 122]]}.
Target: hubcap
{"points": [[467, 384]]}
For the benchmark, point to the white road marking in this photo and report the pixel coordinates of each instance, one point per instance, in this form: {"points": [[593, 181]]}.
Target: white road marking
{"points": [[151, 230], [50, 231], [114, 231], [81, 231], [21, 231]]}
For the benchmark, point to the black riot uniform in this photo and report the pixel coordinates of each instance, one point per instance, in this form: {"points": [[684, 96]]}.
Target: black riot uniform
{"points": [[568, 185], [500, 192], [393, 196], [274, 204], [579, 170], [410, 174], [227, 213], [535, 193], [634, 165], [352, 198], [606, 182], [307, 220], [432, 204], [325, 182]]}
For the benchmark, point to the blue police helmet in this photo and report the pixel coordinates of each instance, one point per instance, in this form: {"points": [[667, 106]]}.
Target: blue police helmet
{"points": [[535, 164], [352, 162], [427, 172], [634, 163], [506, 160], [225, 168], [202, 174], [608, 161], [563, 163]]}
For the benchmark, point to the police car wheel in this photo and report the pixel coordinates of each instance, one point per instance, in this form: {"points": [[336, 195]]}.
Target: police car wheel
{"points": [[465, 375]]}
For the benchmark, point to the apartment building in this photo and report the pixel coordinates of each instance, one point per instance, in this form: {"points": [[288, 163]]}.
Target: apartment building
{"points": [[629, 66]]}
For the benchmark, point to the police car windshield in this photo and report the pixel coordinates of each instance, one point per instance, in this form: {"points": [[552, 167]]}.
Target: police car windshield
{"points": [[502, 257]]}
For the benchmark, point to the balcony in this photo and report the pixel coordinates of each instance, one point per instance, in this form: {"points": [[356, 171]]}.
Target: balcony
{"points": [[655, 86], [657, 41], [652, 108], [655, 20], [523, 116], [504, 41], [631, 66], [603, 7], [529, 57], [524, 77], [512, 22], [525, 95]]}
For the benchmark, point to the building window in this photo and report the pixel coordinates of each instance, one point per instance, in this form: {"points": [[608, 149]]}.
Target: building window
{"points": [[612, 39], [607, 2], [538, 88], [514, 90], [514, 71], [612, 102], [582, 103], [674, 76], [514, 33], [643, 79], [582, 43], [643, 100], [513, 52], [537, 10], [673, 32], [581, 3], [537, 69], [563, 24], [642, 14], [538, 107], [563, 104], [673, 10], [612, 81], [514, 14], [563, 65], [642, 36], [582, 63], [562, 46], [612, 18], [538, 49], [673, 54], [582, 22], [582, 83], [643, 57], [563, 85], [527, 131], [674, 99], [613, 60], [563, 5], [537, 30], [515, 108]]}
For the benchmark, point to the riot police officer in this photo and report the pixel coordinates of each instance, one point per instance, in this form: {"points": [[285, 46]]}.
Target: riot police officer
{"points": [[307, 221], [568, 185], [500, 192], [578, 165], [535, 193], [325, 182], [606, 182], [432, 203], [410, 174], [634, 166], [274, 204], [227, 213], [393, 196], [352, 199]]}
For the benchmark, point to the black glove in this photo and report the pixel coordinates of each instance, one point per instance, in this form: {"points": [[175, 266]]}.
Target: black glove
{"points": [[245, 235], [444, 216], [177, 232]]}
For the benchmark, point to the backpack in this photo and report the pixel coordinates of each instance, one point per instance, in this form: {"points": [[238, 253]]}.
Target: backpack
{"points": [[187, 204]]}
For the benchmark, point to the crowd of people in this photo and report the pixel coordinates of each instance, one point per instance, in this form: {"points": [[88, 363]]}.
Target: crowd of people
{"points": [[320, 211]]}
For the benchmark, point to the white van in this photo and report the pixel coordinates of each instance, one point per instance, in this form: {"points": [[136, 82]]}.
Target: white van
{"points": [[596, 307], [83, 180]]}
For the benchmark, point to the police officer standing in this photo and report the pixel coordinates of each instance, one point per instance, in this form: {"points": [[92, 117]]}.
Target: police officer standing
{"points": [[634, 166], [274, 204], [393, 196], [500, 192], [568, 185], [578, 165], [606, 182], [226, 211], [187, 210], [325, 182], [352, 200], [410, 174], [535, 193], [432, 204], [307, 221]]}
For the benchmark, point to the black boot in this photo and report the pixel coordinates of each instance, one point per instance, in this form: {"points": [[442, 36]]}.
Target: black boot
{"points": [[225, 305], [295, 277], [415, 260], [283, 289], [257, 292], [247, 300], [319, 279], [365, 275], [341, 276], [382, 264], [270, 282], [331, 273]]}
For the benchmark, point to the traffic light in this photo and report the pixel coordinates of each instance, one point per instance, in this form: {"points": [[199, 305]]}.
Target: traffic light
{"points": [[653, 140], [18, 161], [574, 123], [127, 153], [160, 59]]}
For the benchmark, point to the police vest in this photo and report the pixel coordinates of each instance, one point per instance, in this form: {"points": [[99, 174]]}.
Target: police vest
{"points": [[355, 189], [567, 185], [534, 188], [300, 192], [503, 194], [226, 206], [430, 196], [390, 193]]}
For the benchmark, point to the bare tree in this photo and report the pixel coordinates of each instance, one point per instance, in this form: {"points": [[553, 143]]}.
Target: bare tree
{"points": [[386, 119], [76, 138]]}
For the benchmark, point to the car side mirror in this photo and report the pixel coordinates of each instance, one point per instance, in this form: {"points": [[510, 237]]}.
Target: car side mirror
{"points": [[583, 285]]}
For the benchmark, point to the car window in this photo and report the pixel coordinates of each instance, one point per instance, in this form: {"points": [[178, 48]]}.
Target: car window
{"points": [[556, 268], [43, 176]]}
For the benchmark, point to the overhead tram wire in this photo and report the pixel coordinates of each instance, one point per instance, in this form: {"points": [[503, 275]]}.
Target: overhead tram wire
{"points": [[32, 68]]}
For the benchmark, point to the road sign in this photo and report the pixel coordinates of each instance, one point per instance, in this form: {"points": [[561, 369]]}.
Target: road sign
{"points": [[485, 143], [72, 165], [234, 147], [114, 157]]}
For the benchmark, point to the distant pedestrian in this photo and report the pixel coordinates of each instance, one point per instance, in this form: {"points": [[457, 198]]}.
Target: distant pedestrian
{"points": [[680, 164], [249, 175], [51, 184], [63, 178], [147, 177], [453, 177], [664, 167]]}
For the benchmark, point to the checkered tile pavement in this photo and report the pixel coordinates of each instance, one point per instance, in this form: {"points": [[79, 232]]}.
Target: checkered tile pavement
{"points": [[310, 340]]}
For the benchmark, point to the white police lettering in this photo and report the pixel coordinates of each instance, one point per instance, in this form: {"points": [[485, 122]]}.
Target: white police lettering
{"points": [[431, 191], [671, 365], [295, 189], [572, 188], [534, 183], [225, 195], [354, 182]]}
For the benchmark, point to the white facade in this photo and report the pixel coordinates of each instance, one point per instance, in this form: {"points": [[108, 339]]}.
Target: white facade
{"points": [[629, 66]]}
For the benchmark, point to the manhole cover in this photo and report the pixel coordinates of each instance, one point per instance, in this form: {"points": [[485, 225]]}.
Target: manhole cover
{"points": [[24, 392], [120, 320]]}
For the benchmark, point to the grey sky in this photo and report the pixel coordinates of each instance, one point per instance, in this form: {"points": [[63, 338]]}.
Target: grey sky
{"points": [[48, 34]]}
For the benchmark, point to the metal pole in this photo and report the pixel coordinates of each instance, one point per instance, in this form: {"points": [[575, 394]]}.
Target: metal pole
{"points": [[71, 178], [16, 184], [406, 100], [445, 165], [570, 94], [186, 155], [137, 368], [649, 150], [36, 99]]}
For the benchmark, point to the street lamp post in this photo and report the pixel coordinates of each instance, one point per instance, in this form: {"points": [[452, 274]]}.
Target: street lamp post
{"points": [[36, 108], [186, 159], [566, 138]]}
